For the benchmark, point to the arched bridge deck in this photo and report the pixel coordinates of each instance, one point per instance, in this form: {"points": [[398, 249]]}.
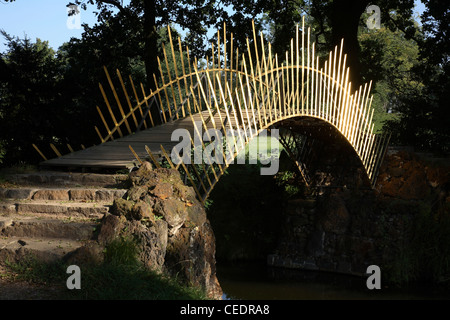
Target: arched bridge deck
{"points": [[246, 93]]}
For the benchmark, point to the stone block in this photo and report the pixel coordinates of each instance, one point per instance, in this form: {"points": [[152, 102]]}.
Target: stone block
{"points": [[51, 194]]}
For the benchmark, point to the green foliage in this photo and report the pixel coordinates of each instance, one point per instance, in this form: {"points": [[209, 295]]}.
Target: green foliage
{"points": [[124, 282], [120, 276], [389, 58], [287, 181], [409, 65], [51, 97], [208, 204], [284, 177], [424, 120], [435, 20], [196, 18], [32, 270], [423, 255], [30, 107], [280, 21], [121, 252], [114, 44]]}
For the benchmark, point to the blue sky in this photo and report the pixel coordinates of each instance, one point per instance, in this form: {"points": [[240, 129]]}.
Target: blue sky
{"points": [[47, 20], [44, 19]]}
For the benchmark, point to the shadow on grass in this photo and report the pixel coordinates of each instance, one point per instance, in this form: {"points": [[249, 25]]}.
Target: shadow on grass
{"points": [[120, 277]]}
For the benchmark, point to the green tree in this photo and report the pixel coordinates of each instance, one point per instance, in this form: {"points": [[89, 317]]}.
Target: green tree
{"points": [[196, 17], [333, 20], [424, 117], [389, 59], [116, 45], [280, 21], [145, 17], [30, 109], [51, 97]]}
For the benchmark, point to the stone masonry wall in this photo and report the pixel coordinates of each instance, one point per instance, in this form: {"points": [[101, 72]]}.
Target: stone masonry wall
{"points": [[346, 230]]}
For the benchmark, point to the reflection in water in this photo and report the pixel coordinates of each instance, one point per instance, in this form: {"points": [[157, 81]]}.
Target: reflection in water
{"points": [[256, 281]]}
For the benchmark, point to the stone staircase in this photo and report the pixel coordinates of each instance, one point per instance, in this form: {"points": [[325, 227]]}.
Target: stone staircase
{"points": [[50, 214]]}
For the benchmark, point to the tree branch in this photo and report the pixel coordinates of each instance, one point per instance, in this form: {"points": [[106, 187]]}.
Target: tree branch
{"points": [[407, 34], [116, 4], [320, 20]]}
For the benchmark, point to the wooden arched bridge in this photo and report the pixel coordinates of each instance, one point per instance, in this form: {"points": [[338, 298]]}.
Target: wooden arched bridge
{"points": [[244, 93]]}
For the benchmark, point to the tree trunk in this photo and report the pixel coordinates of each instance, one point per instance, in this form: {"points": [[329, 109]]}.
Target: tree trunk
{"points": [[151, 52], [344, 18]]}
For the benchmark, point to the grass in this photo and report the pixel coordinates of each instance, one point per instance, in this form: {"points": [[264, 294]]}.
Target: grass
{"points": [[121, 276]]}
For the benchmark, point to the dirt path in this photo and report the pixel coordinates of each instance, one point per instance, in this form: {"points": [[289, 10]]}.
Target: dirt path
{"points": [[21, 290]]}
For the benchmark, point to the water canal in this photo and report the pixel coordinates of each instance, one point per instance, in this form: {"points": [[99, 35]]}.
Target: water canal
{"points": [[256, 281]]}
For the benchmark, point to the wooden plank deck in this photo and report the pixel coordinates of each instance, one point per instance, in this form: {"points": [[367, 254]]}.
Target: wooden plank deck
{"points": [[116, 154]]}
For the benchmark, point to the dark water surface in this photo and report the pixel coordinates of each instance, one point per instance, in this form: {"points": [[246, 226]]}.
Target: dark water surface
{"points": [[256, 281]]}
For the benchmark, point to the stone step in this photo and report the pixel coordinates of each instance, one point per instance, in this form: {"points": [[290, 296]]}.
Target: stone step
{"points": [[56, 207], [7, 208], [47, 227], [67, 194], [52, 214], [55, 178]]}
